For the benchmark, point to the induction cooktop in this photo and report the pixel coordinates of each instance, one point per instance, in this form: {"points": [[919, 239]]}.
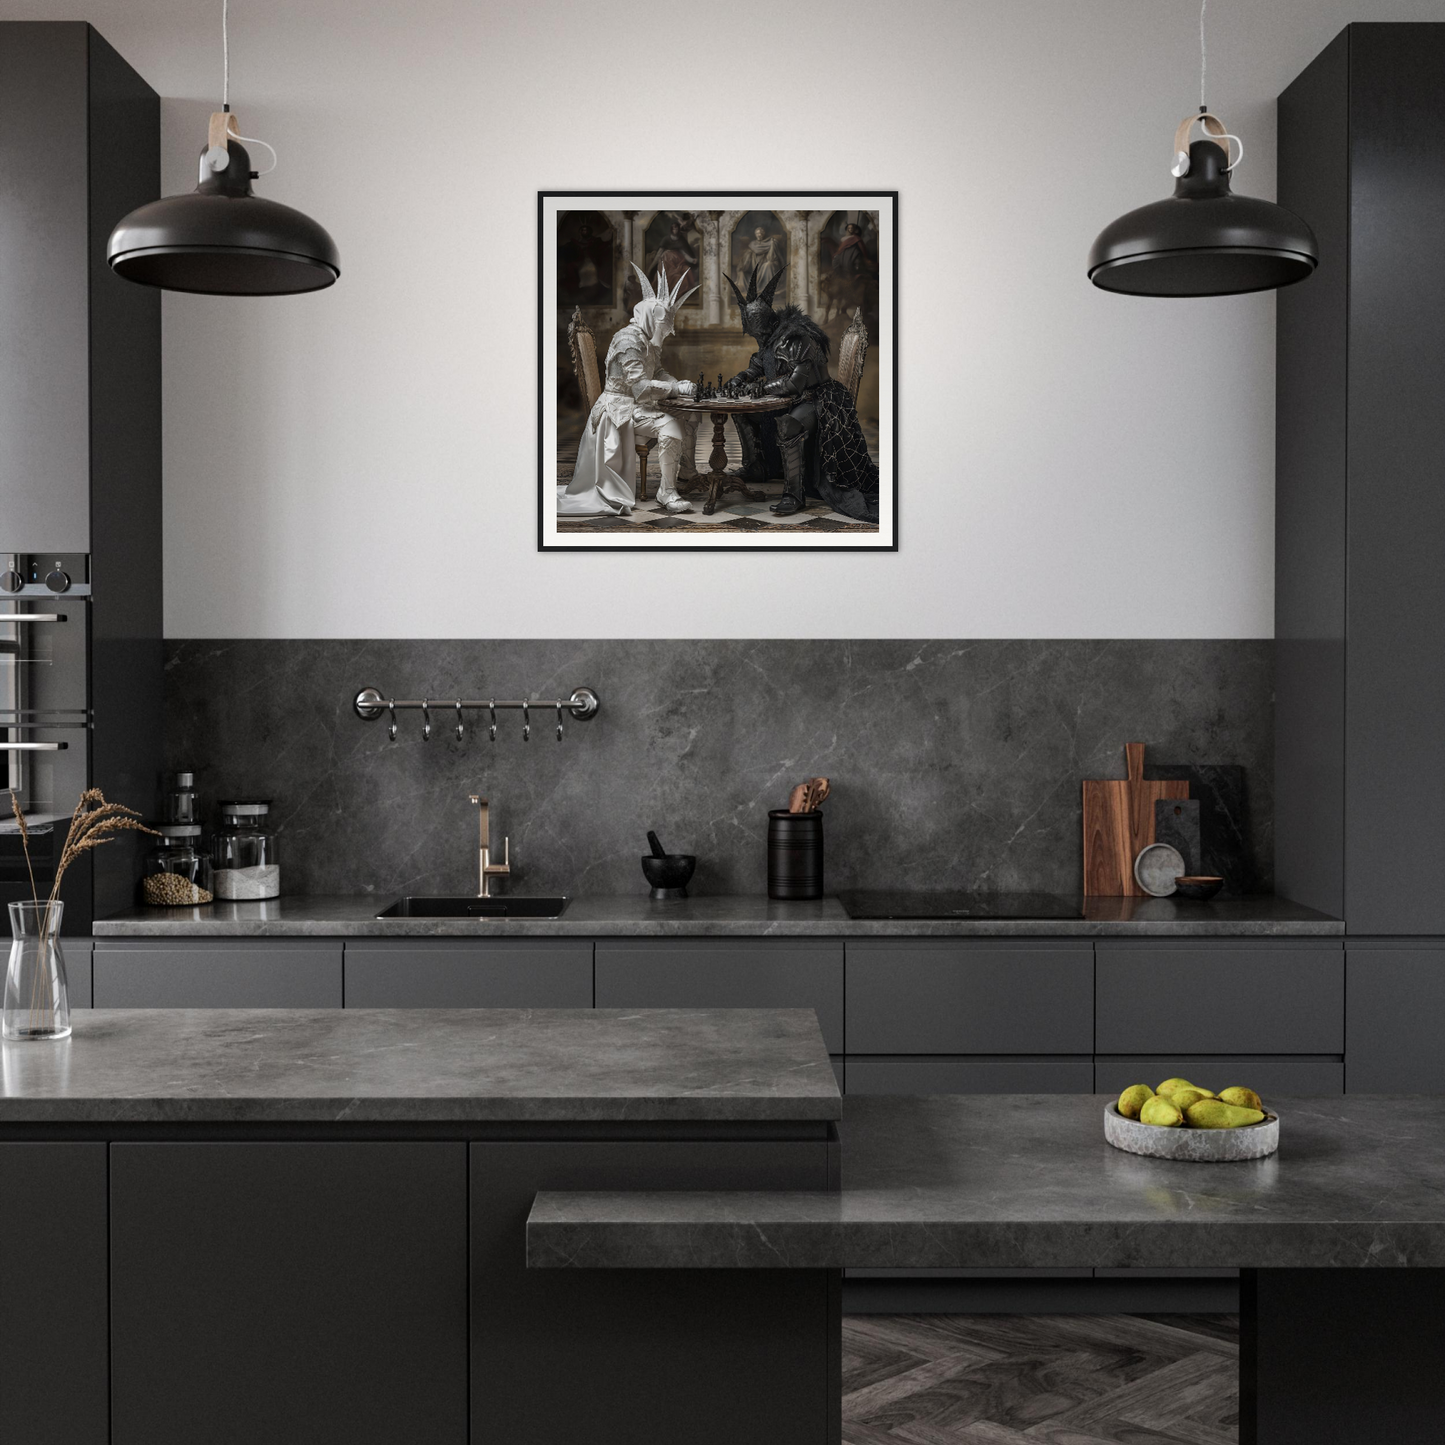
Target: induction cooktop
{"points": [[863, 904]]}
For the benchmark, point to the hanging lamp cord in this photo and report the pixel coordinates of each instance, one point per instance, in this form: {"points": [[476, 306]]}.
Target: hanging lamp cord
{"points": [[1203, 55], [226, 92]]}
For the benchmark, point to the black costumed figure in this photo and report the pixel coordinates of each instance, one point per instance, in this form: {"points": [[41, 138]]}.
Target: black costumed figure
{"points": [[818, 441]]}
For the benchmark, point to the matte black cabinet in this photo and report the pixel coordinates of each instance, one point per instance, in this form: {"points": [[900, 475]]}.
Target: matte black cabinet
{"points": [[921, 1075], [63, 93], [949, 996], [343, 1272], [80, 424], [632, 1355], [1219, 998], [1270, 1074], [456, 973], [77, 953], [1360, 486], [710, 973], [211, 973], [54, 1326], [1395, 1042]]}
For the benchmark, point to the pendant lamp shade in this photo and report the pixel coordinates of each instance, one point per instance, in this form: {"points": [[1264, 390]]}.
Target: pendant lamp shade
{"points": [[1203, 240], [222, 239]]}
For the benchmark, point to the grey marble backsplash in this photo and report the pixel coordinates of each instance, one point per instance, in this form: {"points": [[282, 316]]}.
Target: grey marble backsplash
{"points": [[953, 764]]}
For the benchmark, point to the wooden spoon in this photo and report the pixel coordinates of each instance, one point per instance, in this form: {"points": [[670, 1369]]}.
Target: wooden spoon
{"points": [[797, 798]]}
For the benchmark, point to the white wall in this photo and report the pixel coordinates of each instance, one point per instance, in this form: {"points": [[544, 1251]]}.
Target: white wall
{"points": [[362, 462]]}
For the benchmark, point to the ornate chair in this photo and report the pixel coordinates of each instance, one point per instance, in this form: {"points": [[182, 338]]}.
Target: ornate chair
{"points": [[583, 345], [852, 353]]}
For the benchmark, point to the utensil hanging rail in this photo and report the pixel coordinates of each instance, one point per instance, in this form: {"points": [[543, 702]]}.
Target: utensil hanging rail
{"points": [[370, 704]]}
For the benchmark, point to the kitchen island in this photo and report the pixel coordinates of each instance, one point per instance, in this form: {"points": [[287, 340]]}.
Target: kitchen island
{"points": [[1341, 1234], [309, 1226]]}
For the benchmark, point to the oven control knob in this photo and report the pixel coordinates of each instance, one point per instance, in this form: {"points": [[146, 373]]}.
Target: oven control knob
{"points": [[11, 581], [58, 581]]}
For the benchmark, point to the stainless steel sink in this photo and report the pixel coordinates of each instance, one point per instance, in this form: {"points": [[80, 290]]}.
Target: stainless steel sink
{"points": [[474, 907]]}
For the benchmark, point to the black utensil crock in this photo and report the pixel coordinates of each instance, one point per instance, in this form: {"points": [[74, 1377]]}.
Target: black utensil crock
{"points": [[795, 854]]}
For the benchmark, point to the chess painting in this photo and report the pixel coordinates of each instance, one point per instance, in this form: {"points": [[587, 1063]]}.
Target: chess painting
{"points": [[717, 370]]}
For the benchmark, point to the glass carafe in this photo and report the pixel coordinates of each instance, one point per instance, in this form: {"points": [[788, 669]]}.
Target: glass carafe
{"points": [[37, 1001]]}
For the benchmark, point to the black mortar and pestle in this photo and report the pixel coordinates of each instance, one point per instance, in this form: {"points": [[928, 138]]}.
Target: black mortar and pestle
{"points": [[667, 872]]}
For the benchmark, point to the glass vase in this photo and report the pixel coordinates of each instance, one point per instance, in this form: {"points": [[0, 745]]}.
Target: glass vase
{"points": [[37, 1001]]}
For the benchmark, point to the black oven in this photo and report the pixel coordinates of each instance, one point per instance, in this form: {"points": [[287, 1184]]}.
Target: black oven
{"points": [[45, 723]]}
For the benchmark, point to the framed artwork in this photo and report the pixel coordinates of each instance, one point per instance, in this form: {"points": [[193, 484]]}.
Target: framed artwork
{"points": [[717, 371]]}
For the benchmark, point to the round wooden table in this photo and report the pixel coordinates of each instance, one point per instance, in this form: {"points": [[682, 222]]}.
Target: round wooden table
{"points": [[720, 408]]}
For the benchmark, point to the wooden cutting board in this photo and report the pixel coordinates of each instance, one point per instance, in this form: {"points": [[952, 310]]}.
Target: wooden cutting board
{"points": [[1118, 823]]}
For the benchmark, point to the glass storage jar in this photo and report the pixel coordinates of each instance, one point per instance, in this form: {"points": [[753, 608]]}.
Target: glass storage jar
{"points": [[178, 870], [179, 804], [244, 852]]}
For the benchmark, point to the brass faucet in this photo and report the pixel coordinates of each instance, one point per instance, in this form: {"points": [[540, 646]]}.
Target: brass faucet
{"points": [[487, 870]]}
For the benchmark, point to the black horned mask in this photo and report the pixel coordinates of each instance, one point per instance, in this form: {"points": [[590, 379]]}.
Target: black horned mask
{"points": [[759, 318]]}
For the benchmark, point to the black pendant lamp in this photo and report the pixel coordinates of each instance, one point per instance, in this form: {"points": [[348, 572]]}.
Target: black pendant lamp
{"points": [[222, 239], [1203, 240]]}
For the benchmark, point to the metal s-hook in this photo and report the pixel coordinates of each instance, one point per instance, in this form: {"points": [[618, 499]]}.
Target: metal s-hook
{"points": [[526, 724], [559, 722], [461, 727], [426, 719], [492, 708], [391, 708]]}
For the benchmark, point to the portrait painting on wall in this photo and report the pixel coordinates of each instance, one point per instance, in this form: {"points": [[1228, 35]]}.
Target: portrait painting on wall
{"points": [[718, 370]]}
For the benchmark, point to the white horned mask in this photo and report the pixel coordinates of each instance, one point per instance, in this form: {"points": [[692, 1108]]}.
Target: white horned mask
{"points": [[655, 313]]}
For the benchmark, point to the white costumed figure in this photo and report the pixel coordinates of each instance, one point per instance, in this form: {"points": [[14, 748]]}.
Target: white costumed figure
{"points": [[604, 483]]}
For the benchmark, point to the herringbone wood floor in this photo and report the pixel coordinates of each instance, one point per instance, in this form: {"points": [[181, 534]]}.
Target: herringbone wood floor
{"points": [[1040, 1380]]}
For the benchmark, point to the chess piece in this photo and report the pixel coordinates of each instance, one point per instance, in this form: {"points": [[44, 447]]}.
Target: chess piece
{"points": [[719, 381], [700, 387]]}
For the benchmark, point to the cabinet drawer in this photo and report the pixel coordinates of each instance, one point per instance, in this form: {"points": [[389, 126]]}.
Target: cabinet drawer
{"points": [[1395, 1042], [428, 973], [970, 1076], [948, 998], [761, 973], [77, 953], [291, 1293], [204, 973], [1270, 1077], [1220, 1000]]}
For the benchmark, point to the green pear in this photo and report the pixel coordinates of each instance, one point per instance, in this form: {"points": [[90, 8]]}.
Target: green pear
{"points": [[1244, 1098], [1169, 1086], [1214, 1114], [1133, 1099], [1160, 1111], [1183, 1098]]}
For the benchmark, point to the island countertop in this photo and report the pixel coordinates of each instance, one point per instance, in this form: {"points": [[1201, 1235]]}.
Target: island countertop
{"points": [[721, 916], [1027, 1181], [359, 1066]]}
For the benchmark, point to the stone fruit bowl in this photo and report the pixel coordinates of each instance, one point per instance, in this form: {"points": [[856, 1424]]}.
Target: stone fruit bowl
{"points": [[1197, 1146]]}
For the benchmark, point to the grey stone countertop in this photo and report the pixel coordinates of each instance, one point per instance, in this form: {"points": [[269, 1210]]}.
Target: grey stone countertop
{"points": [[719, 916], [422, 1065], [1027, 1181]]}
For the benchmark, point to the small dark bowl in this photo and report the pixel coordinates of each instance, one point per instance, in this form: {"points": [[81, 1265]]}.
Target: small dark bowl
{"points": [[1199, 887], [668, 875]]}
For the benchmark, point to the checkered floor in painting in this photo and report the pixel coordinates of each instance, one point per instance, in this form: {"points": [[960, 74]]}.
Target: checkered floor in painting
{"points": [[734, 514]]}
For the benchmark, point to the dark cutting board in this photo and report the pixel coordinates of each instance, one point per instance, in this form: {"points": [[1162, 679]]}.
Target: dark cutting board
{"points": [[1176, 822], [1224, 834], [1119, 823]]}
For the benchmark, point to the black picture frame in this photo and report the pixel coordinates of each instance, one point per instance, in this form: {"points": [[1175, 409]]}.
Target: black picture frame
{"points": [[546, 406]]}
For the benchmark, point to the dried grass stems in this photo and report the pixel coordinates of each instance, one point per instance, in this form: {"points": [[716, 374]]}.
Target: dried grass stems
{"points": [[93, 823]]}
